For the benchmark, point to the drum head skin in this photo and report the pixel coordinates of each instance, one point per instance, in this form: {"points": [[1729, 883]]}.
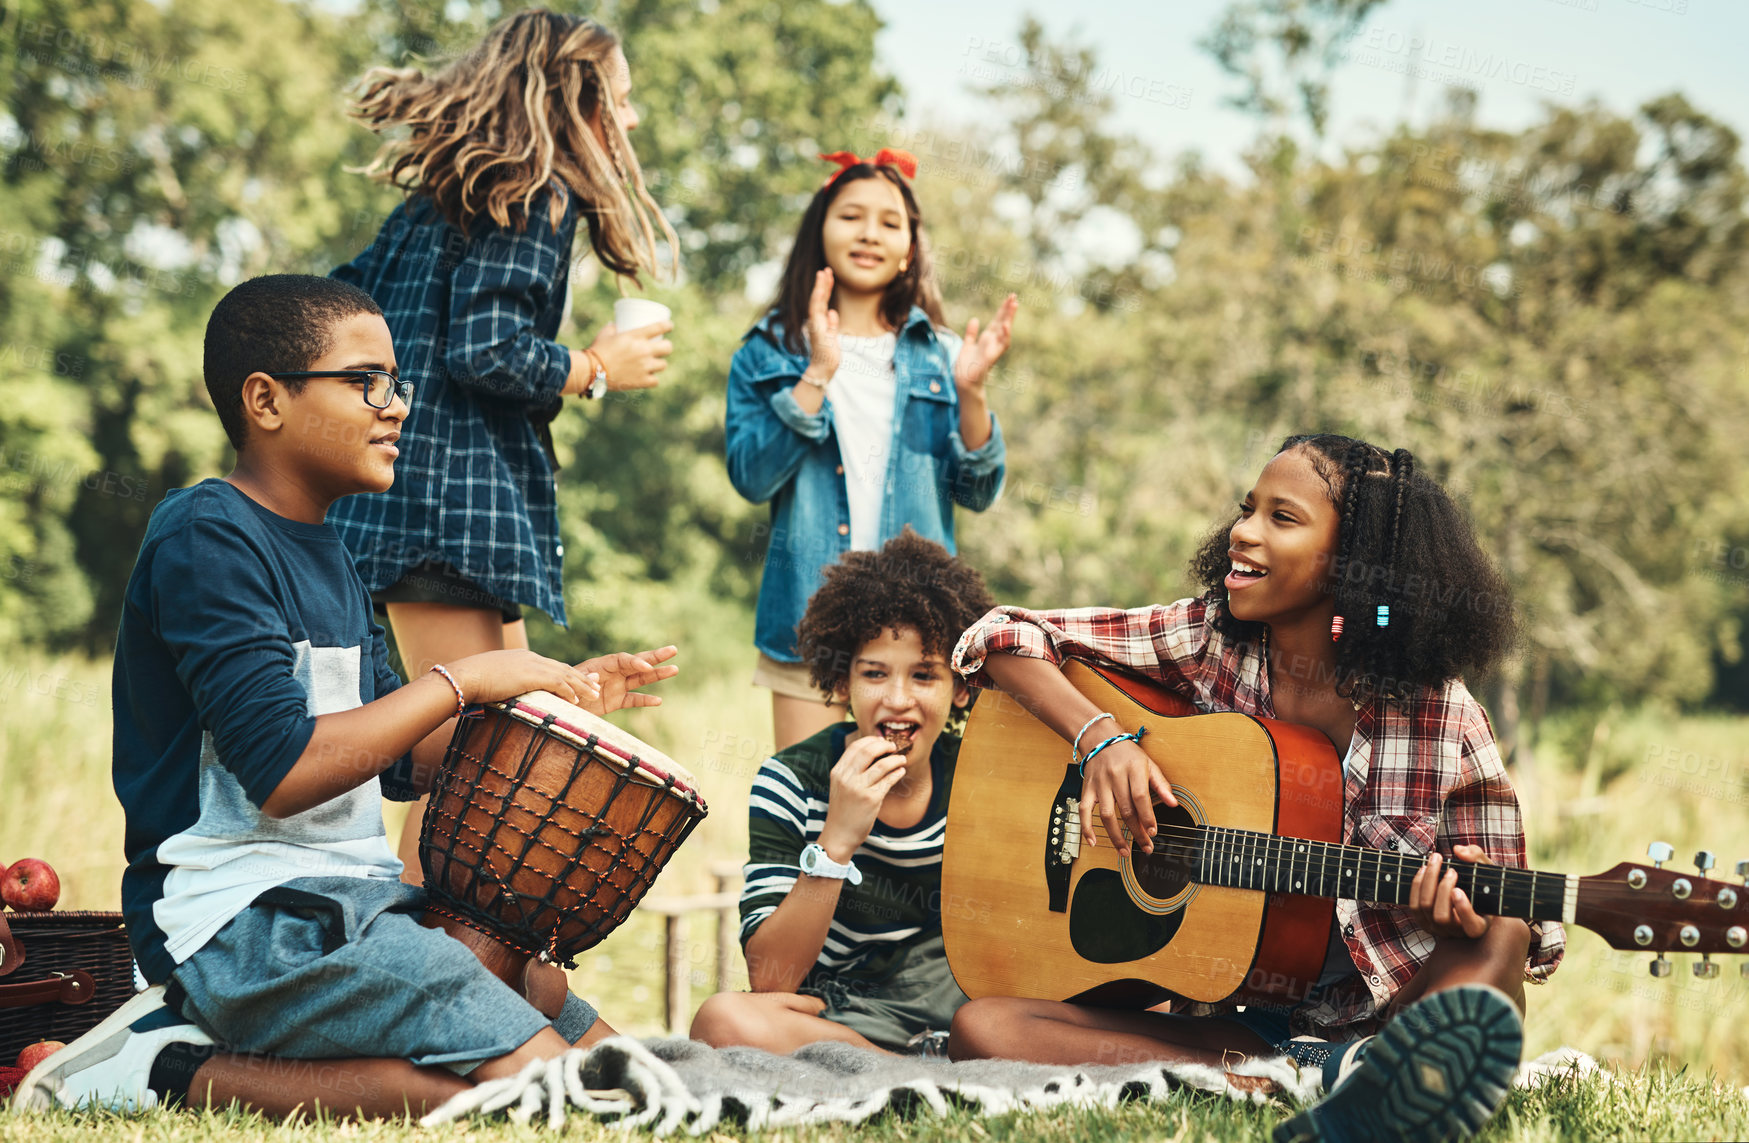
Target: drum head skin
{"points": [[573, 721]]}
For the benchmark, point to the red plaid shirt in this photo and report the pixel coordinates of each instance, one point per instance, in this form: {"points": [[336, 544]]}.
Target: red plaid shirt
{"points": [[1418, 776]]}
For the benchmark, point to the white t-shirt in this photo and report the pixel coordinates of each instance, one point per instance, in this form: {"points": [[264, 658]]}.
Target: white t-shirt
{"points": [[863, 391]]}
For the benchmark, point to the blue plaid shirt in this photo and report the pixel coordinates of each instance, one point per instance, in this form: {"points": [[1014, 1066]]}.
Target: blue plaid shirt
{"points": [[473, 319]]}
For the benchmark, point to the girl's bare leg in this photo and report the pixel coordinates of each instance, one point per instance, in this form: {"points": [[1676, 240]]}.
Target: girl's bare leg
{"points": [[1052, 1032], [779, 1022], [431, 633], [794, 719]]}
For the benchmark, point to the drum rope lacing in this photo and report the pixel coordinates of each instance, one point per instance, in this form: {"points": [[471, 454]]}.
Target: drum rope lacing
{"points": [[495, 857]]}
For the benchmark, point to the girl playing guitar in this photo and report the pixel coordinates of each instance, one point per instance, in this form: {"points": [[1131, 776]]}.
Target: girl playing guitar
{"points": [[1349, 594]]}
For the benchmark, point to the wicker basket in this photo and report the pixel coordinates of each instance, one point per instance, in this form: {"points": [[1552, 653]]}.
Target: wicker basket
{"points": [[62, 973]]}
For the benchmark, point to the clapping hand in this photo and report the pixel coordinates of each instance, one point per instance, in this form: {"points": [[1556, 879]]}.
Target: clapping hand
{"points": [[982, 350], [823, 350]]}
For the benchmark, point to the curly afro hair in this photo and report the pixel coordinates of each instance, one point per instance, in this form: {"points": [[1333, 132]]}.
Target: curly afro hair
{"points": [[909, 582], [1403, 544]]}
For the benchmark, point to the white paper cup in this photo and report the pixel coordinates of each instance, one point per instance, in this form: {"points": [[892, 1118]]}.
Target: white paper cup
{"points": [[630, 313]]}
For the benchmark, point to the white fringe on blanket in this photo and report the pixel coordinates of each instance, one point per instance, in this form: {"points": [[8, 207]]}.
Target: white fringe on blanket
{"points": [[673, 1084]]}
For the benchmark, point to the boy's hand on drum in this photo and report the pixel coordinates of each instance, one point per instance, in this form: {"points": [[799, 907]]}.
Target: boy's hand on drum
{"points": [[823, 349], [619, 675], [860, 782], [633, 359], [980, 351], [493, 676], [1121, 786]]}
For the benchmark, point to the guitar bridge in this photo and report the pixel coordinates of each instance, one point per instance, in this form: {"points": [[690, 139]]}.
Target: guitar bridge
{"points": [[1063, 839]]}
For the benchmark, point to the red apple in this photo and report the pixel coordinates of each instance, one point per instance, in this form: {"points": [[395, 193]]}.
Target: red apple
{"points": [[30, 886], [36, 1053]]}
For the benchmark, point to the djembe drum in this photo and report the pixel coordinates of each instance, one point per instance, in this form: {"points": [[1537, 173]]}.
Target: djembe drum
{"points": [[546, 825]]}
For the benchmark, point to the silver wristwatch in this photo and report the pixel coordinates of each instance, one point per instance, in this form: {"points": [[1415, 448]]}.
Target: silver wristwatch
{"points": [[815, 862]]}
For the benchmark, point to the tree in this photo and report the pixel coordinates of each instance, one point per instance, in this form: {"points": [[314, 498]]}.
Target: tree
{"points": [[1550, 319], [1283, 51]]}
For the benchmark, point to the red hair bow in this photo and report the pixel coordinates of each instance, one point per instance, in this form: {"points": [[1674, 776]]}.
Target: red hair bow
{"points": [[903, 161]]}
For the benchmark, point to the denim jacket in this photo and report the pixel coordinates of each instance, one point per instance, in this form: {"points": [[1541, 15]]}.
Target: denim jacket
{"points": [[781, 454]]}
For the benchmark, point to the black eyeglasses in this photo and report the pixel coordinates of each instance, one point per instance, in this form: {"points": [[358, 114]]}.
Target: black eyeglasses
{"points": [[380, 388]]}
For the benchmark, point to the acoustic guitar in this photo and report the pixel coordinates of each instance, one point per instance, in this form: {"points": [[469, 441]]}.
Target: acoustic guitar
{"points": [[1237, 901]]}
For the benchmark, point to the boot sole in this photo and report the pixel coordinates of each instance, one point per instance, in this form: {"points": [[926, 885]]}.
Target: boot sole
{"points": [[1438, 1072]]}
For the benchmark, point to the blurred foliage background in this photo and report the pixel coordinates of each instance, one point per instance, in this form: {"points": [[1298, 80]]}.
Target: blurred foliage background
{"points": [[1554, 320]]}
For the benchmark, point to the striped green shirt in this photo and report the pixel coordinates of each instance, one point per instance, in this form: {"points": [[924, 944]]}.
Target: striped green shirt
{"points": [[899, 901]]}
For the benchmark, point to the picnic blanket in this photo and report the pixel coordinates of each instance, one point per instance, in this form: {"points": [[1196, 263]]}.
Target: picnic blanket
{"points": [[666, 1085]]}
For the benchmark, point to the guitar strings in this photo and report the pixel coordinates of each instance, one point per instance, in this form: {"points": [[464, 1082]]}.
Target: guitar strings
{"points": [[1187, 845]]}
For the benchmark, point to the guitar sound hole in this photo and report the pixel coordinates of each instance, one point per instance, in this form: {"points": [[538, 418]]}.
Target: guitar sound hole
{"points": [[1164, 873]]}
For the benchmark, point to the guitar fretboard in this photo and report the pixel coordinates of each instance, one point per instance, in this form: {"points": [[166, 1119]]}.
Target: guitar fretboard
{"points": [[1247, 859]]}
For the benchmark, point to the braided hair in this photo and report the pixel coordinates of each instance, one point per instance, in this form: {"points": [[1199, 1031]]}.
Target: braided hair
{"points": [[1401, 544]]}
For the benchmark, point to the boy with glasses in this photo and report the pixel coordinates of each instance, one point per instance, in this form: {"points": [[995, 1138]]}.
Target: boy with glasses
{"points": [[257, 725]]}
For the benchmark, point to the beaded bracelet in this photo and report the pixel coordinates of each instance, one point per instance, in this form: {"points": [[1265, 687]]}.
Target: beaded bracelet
{"points": [[461, 702], [1075, 750], [1093, 753]]}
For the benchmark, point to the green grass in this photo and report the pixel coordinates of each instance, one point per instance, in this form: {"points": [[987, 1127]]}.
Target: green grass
{"points": [[1678, 1048], [1653, 1103]]}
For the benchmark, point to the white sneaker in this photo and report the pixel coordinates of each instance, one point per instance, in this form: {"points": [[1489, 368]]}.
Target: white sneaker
{"points": [[1343, 1064], [108, 1066]]}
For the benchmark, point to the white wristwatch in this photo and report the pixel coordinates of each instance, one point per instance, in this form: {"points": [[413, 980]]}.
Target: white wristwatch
{"points": [[597, 385], [816, 862]]}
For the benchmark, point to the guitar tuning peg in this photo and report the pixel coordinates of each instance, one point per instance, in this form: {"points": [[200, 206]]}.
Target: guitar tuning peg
{"points": [[1660, 852], [1660, 967], [1704, 861], [1705, 968], [1743, 871]]}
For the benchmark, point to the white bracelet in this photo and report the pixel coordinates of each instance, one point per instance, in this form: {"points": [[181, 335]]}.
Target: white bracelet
{"points": [[820, 385], [1075, 750]]}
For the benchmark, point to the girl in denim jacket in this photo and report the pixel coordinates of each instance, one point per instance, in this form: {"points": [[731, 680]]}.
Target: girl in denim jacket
{"points": [[854, 411]]}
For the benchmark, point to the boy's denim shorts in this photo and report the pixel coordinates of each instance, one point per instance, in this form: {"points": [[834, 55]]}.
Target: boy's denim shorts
{"points": [[341, 968], [920, 995]]}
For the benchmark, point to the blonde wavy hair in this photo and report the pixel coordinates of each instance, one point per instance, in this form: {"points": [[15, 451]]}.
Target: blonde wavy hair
{"points": [[509, 120]]}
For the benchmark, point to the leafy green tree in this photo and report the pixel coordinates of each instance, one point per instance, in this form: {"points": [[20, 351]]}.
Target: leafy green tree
{"points": [[1283, 51], [1551, 318], [156, 154]]}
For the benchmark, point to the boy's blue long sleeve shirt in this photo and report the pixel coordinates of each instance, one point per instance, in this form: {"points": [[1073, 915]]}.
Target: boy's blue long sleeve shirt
{"points": [[239, 628]]}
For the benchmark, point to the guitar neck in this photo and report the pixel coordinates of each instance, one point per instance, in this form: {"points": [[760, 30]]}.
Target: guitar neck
{"points": [[1247, 859]]}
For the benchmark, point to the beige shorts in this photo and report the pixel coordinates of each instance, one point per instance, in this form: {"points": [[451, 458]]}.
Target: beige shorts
{"points": [[787, 679]]}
